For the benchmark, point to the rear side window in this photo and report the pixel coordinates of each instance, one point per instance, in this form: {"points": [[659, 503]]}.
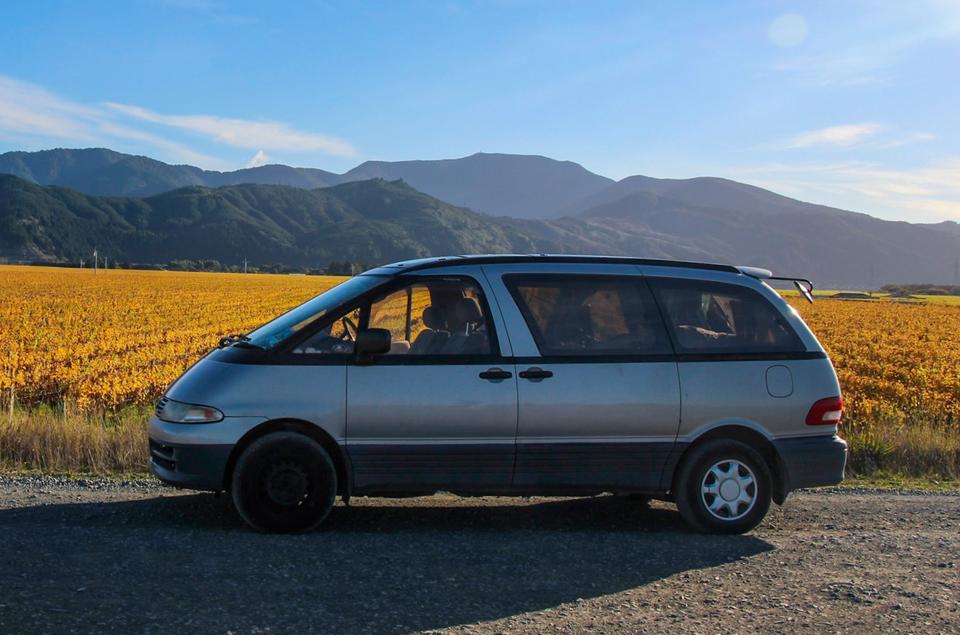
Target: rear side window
{"points": [[713, 317], [589, 315]]}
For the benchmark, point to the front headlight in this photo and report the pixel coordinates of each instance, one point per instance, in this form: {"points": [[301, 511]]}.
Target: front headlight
{"points": [[179, 412]]}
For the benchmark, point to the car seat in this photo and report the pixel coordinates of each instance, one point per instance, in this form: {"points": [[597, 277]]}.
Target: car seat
{"points": [[432, 339], [468, 334]]}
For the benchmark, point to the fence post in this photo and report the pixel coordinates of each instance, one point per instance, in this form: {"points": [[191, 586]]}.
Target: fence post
{"points": [[13, 378]]}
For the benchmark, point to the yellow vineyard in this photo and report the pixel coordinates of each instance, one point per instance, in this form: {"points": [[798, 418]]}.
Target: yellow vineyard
{"points": [[120, 337], [897, 363], [116, 338]]}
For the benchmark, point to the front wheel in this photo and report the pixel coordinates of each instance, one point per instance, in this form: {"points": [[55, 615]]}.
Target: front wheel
{"points": [[723, 487], [284, 482]]}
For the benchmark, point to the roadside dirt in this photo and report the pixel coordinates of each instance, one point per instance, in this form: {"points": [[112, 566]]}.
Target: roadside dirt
{"points": [[138, 558]]}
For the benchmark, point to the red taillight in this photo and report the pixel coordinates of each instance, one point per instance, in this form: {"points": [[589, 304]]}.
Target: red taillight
{"points": [[826, 412]]}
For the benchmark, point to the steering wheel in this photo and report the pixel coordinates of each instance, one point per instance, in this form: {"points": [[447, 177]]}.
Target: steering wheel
{"points": [[349, 329]]}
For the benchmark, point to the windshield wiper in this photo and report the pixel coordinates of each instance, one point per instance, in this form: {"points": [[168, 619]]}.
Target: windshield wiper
{"points": [[246, 344], [240, 341]]}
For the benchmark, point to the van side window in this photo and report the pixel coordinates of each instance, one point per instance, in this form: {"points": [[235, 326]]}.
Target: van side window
{"points": [[440, 317], [589, 314], [713, 317], [335, 337]]}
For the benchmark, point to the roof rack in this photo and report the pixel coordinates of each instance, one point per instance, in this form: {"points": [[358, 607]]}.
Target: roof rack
{"points": [[447, 261]]}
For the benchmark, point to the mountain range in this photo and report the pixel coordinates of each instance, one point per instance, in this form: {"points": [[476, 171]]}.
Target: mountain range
{"points": [[59, 204], [498, 184]]}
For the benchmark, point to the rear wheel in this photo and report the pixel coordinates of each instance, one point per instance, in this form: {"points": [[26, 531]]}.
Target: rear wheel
{"points": [[723, 487], [284, 482]]}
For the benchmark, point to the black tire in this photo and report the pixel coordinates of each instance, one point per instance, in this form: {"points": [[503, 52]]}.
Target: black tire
{"points": [[737, 461], [284, 482]]}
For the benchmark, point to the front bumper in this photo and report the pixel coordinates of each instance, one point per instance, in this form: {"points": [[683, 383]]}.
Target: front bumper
{"points": [[191, 466], [195, 455], [810, 461]]}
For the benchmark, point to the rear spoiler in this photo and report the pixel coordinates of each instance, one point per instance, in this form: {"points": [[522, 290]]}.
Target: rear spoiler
{"points": [[804, 286]]}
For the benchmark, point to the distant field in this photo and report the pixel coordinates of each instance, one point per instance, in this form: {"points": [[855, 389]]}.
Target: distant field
{"points": [[953, 300], [84, 356]]}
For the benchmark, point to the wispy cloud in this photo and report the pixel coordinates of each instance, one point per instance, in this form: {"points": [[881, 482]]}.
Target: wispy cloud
{"points": [[178, 151], [789, 29], [30, 114], [258, 159], [26, 109], [925, 193], [863, 136], [849, 66], [243, 133], [845, 135], [915, 137], [884, 38]]}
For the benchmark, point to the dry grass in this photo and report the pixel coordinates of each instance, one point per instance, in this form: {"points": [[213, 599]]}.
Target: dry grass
{"points": [[67, 440], [64, 439], [925, 451]]}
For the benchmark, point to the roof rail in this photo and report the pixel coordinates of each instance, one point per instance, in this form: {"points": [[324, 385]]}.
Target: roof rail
{"points": [[446, 261], [755, 272]]}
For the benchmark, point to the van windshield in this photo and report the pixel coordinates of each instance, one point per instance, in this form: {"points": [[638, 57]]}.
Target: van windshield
{"points": [[296, 319]]}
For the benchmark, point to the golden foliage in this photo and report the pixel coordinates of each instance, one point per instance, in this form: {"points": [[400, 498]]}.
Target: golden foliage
{"points": [[897, 363], [120, 337]]}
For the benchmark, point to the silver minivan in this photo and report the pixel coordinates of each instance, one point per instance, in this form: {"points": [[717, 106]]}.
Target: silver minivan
{"points": [[513, 375]]}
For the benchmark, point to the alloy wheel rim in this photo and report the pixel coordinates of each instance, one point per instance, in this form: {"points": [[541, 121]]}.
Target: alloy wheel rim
{"points": [[729, 490]]}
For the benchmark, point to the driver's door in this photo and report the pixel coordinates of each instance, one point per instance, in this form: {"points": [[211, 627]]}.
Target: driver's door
{"points": [[439, 411]]}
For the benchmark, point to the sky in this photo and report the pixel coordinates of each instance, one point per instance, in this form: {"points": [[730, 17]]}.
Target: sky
{"points": [[850, 104]]}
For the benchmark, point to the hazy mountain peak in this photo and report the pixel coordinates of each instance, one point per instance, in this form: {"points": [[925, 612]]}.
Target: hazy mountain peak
{"points": [[518, 185], [380, 220]]}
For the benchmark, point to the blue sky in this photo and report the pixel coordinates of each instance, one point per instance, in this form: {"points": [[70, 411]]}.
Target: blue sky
{"points": [[851, 104]]}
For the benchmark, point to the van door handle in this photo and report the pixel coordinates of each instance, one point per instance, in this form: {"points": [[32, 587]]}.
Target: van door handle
{"points": [[496, 374], [536, 374]]}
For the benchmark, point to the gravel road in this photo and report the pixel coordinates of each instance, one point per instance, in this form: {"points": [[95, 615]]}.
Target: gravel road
{"points": [[139, 558]]}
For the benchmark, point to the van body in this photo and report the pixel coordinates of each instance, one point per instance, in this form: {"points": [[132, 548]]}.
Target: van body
{"points": [[513, 375]]}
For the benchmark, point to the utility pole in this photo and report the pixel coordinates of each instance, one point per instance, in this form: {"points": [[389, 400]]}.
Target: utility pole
{"points": [[244, 264], [94, 261]]}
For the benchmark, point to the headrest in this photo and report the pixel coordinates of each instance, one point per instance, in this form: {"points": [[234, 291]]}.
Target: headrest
{"points": [[468, 310], [434, 318]]}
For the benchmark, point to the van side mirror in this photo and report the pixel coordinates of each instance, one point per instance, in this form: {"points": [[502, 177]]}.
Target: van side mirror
{"points": [[372, 342]]}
